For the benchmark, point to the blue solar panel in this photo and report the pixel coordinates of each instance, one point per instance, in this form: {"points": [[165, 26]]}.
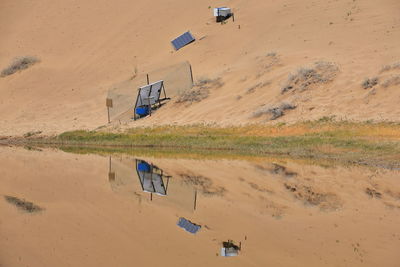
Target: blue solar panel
{"points": [[188, 226], [183, 40]]}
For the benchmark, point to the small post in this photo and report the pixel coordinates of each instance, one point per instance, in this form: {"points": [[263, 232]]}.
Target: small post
{"points": [[233, 17], [191, 73], [195, 199], [151, 196], [109, 104], [148, 80]]}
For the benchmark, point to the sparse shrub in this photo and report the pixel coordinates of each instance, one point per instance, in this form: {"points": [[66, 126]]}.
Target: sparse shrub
{"points": [[200, 90], [322, 72], [391, 67], [19, 64], [269, 61], [275, 112], [23, 204], [259, 85], [32, 133], [326, 119], [369, 82], [392, 81]]}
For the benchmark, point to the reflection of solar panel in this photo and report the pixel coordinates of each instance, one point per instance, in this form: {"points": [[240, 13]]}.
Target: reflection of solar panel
{"points": [[151, 178], [188, 226], [183, 40]]}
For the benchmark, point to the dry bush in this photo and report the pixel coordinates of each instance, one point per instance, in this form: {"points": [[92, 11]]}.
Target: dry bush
{"points": [[269, 61], [274, 112], [369, 82], [23, 204], [259, 85], [204, 184], [393, 66], [392, 81], [19, 64], [322, 72], [310, 196], [200, 90]]}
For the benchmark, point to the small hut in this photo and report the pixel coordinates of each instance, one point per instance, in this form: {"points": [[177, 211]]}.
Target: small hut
{"points": [[222, 13]]}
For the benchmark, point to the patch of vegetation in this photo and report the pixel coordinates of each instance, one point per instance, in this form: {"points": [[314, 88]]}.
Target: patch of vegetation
{"points": [[252, 89], [394, 66], [369, 82], [203, 184], [23, 204], [274, 112], [19, 64], [373, 193], [322, 72], [268, 62], [392, 81], [200, 90], [32, 133], [310, 196], [374, 144]]}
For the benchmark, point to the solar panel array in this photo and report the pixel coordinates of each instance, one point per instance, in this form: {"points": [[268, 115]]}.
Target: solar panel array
{"points": [[183, 40], [188, 226]]}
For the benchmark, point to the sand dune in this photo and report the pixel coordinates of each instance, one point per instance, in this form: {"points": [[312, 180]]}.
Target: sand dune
{"points": [[86, 47]]}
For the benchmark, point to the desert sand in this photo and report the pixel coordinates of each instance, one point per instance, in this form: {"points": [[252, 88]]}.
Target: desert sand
{"points": [[85, 47]]}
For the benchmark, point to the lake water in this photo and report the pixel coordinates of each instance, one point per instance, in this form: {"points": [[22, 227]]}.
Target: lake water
{"points": [[65, 209]]}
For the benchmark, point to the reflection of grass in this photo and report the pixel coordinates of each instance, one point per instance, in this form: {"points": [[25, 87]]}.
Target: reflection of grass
{"points": [[343, 141]]}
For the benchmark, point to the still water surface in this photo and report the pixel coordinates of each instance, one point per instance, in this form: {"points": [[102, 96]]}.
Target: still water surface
{"points": [[64, 209]]}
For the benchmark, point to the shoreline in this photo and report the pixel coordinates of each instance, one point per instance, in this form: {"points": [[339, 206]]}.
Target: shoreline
{"points": [[372, 144]]}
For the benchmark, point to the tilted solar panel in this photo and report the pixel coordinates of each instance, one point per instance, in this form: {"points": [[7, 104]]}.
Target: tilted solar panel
{"points": [[149, 94], [183, 40]]}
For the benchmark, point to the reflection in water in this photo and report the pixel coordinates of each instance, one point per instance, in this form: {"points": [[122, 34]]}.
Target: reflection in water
{"points": [[23, 204], [151, 178], [188, 225], [278, 212], [229, 249], [132, 176]]}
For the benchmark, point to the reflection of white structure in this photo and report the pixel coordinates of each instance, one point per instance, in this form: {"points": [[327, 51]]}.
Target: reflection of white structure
{"points": [[229, 252], [151, 178], [229, 249]]}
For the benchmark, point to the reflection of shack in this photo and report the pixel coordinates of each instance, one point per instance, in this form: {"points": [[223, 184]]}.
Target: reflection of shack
{"points": [[222, 13], [229, 249], [151, 178]]}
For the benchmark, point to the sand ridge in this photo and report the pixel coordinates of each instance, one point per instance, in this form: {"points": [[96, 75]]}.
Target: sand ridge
{"points": [[86, 47]]}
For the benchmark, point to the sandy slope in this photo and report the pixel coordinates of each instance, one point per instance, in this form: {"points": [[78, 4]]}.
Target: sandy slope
{"points": [[86, 46]]}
